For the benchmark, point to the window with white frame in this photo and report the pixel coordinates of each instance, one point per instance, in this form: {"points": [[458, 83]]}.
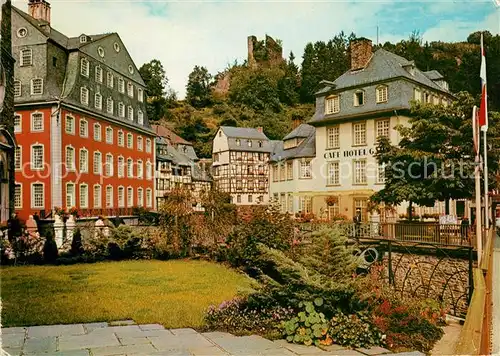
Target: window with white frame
{"points": [[130, 168], [109, 105], [130, 141], [109, 165], [121, 167], [97, 163], [140, 117], [18, 196], [98, 74], [359, 172], [70, 195], [17, 88], [382, 93], [26, 57], [97, 196], [381, 173], [359, 133], [149, 198], [109, 196], [37, 122], [84, 95], [305, 169], [148, 145], [333, 137], [130, 89], [305, 204], [97, 132], [109, 135], [333, 173], [36, 86], [140, 197], [140, 95], [84, 196], [121, 109], [84, 67], [130, 113], [37, 196], [383, 127], [18, 157], [98, 101], [149, 170], [70, 125], [140, 146], [121, 85], [110, 79], [84, 128], [121, 197], [70, 158], [359, 98], [332, 104], [130, 197], [18, 123], [289, 170], [121, 138], [140, 169], [417, 94], [37, 157], [84, 160]]}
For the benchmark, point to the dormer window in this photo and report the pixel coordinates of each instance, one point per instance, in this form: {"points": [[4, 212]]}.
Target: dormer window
{"points": [[238, 142], [359, 98], [332, 104], [260, 143], [83, 39], [382, 94], [249, 143]]}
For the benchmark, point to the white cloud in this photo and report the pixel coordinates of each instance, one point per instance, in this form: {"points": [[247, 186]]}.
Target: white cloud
{"points": [[214, 34]]}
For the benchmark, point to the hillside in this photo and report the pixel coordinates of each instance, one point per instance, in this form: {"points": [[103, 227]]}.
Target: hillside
{"points": [[272, 91]]}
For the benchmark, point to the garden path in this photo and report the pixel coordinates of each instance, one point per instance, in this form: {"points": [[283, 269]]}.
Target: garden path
{"points": [[126, 338]]}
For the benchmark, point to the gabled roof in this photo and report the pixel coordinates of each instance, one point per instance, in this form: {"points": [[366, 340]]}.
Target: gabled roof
{"points": [[433, 75], [306, 148], [382, 66], [243, 132], [170, 135], [303, 130]]}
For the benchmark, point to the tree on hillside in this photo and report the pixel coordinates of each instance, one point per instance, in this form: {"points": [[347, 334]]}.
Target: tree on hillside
{"points": [[198, 92], [288, 86], [156, 82], [434, 159]]}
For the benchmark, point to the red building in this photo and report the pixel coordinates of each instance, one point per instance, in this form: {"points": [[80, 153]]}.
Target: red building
{"points": [[84, 140]]}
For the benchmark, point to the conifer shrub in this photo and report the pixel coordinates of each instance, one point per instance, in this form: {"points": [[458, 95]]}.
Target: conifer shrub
{"points": [[50, 251]]}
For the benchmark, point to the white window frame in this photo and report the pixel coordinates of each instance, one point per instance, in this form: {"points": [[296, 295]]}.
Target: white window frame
{"points": [[140, 117], [37, 114], [130, 168], [70, 164], [84, 67], [94, 196], [333, 177], [333, 137], [99, 77], [130, 140], [71, 196], [84, 126], [130, 197], [83, 166], [121, 109], [121, 85], [85, 203], [140, 143], [84, 95], [149, 170], [33, 167], [98, 101], [33, 92], [97, 132], [121, 138], [140, 95], [18, 89], [305, 169], [121, 167], [26, 58], [381, 173], [18, 197], [359, 128], [149, 198], [110, 105], [130, 89], [381, 128], [359, 176], [18, 127], [97, 164], [382, 94], [140, 169], [121, 196], [140, 197], [148, 145], [33, 206], [110, 80], [68, 119], [332, 104], [109, 202], [109, 165], [109, 137], [355, 99], [130, 113], [18, 158]]}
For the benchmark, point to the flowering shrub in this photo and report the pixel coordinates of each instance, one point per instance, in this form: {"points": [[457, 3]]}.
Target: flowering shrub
{"points": [[237, 317], [355, 330]]}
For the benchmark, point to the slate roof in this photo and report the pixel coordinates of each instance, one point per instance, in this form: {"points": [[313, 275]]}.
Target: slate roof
{"points": [[243, 132], [170, 135], [433, 75], [383, 65], [307, 148]]}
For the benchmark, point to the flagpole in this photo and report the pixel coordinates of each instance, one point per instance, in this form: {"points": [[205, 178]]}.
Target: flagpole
{"points": [[484, 128], [485, 168], [477, 177]]}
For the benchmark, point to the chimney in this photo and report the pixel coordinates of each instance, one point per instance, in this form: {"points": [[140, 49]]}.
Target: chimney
{"points": [[260, 129], [296, 123], [39, 10], [361, 52]]}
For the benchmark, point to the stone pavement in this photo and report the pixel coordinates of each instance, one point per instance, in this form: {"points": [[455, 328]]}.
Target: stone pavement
{"points": [[125, 338]]}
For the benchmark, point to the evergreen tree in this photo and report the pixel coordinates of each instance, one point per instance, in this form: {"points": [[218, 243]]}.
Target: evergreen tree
{"points": [[198, 92], [156, 81]]}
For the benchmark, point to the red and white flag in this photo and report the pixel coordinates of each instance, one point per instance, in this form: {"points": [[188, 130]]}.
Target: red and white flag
{"points": [[483, 108]]}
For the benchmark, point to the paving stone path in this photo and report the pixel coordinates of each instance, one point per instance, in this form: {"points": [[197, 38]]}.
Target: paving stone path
{"points": [[125, 338]]}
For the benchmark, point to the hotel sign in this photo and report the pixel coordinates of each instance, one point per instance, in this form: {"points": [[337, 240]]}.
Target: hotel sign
{"points": [[360, 152]]}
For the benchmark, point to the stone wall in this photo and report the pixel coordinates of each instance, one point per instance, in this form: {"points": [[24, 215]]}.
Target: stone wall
{"points": [[428, 276]]}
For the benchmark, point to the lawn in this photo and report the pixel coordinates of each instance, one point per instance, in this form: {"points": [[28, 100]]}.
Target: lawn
{"points": [[172, 293]]}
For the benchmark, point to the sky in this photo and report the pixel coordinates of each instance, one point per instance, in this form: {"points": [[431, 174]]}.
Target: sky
{"points": [[182, 34]]}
